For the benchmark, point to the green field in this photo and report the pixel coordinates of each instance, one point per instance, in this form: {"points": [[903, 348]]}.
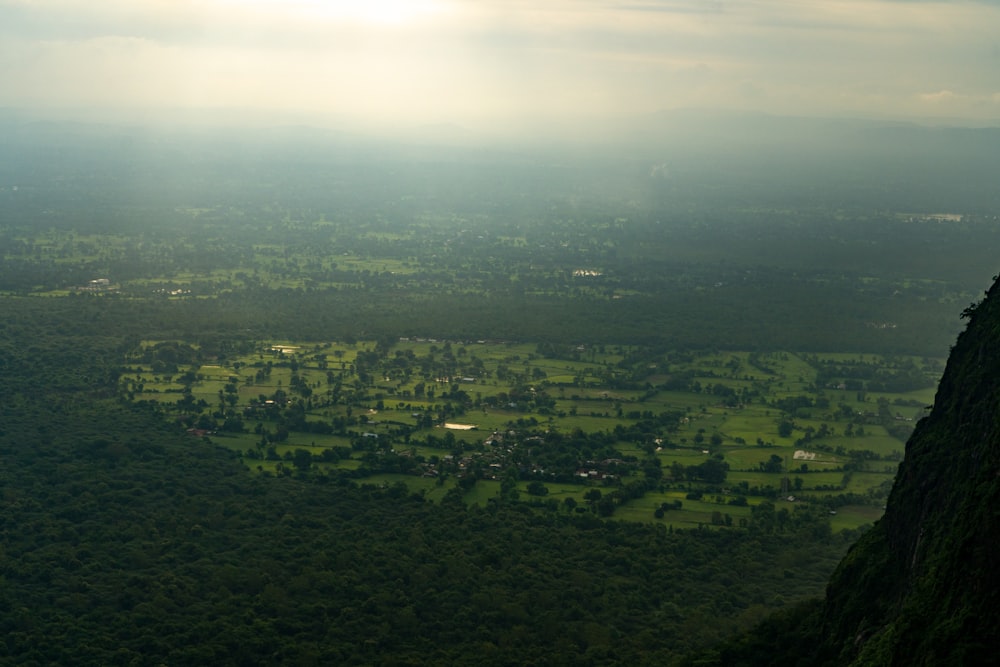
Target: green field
{"points": [[429, 412]]}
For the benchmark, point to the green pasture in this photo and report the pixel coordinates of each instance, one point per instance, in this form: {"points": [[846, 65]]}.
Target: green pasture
{"points": [[691, 514], [381, 265], [861, 482], [481, 493], [630, 449], [924, 396], [312, 442], [853, 516], [431, 487], [686, 455], [384, 406], [813, 480], [760, 480], [584, 421], [472, 437], [238, 442], [559, 491], [875, 439], [585, 409], [678, 400], [719, 362], [750, 424]]}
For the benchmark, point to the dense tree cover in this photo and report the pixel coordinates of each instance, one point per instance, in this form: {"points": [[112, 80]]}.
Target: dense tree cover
{"points": [[600, 415], [324, 244], [783, 310], [128, 542]]}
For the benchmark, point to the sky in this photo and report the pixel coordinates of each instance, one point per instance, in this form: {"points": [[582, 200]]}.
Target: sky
{"points": [[481, 62]]}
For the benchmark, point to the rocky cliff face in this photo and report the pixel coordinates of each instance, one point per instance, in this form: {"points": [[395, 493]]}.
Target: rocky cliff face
{"points": [[923, 586]]}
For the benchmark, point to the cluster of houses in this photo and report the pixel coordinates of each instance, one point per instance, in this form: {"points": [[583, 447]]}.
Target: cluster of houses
{"points": [[96, 285], [495, 459]]}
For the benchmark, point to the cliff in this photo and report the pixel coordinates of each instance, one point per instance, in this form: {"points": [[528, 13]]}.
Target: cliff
{"points": [[920, 587]]}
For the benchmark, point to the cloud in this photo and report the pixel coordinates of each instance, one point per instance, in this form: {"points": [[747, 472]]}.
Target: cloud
{"points": [[939, 96], [458, 60]]}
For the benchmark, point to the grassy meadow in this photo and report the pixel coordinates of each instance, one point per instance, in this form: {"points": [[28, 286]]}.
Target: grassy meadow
{"points": [[430, 413]]}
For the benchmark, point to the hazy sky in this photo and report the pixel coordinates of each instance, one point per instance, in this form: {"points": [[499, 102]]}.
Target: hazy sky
{"points": [[480, 61]]}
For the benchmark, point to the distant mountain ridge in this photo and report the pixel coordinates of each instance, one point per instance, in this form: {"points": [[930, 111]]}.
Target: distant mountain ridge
{"points": [[743, 159]]}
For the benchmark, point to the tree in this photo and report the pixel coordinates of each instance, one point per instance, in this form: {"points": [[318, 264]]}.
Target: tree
{"points": [[302, 459], [774, 464], [713, 471], [536, 488], [606, 506], [651, 469], [508, 485]]}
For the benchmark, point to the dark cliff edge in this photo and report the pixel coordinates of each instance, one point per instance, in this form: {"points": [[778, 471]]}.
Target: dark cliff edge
{"points": [[923, 586]]}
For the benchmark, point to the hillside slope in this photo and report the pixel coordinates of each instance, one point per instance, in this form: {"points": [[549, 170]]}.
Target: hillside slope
{"points": [[920, 587]]}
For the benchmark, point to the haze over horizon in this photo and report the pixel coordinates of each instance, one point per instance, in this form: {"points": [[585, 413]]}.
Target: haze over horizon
{"points": [[396, 63]]}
